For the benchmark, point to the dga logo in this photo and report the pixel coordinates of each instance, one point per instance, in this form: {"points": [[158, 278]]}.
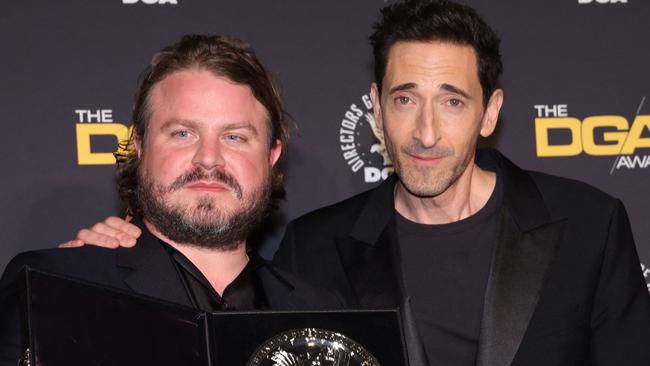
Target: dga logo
{"points": [[362, 143], [646, 275], [151, 2], [558, 135], [95, 123]]}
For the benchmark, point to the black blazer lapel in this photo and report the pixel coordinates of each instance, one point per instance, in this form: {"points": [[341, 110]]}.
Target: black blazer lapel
{"points": [[527, 242], [414, 346], [374, 274], [367, 253], [520, 263], [152, 272], [284, 291], [279, 291], [371, 271]]}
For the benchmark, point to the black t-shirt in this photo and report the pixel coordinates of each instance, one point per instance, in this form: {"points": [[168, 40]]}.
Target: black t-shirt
{"points": [[445, 269]]}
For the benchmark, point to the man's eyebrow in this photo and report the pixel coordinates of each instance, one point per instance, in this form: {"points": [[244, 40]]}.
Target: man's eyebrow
{"points": [[181, 122], [192, 124], [445, 87], [401, 87], [453, 89], [240, 125]]}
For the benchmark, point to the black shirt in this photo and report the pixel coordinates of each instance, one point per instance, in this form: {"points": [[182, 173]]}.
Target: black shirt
{"points": [[445, 269], [245, 292]]}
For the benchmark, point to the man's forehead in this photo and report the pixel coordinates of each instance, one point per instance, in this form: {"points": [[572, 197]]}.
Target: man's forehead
{"points": [[196, 92], [192, 78], [431, 64]]}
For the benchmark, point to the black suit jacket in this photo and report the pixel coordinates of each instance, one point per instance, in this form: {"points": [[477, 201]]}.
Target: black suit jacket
{"points": [[145, 269], [565, 286]]}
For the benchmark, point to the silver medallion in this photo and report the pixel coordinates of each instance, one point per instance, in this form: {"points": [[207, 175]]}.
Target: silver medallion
{"points": [[311, 347]]}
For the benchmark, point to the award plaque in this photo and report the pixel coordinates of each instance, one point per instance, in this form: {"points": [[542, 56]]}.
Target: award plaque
{"points": [[72, 322], [311, 346], [308, 338]]}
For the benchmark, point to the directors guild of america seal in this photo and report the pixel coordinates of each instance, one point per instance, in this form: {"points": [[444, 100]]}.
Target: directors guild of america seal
{"points": [[310, 347]]}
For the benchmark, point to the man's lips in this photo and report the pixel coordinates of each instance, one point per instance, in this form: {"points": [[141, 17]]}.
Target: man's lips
{"points": [[423, 159], [207, 186]]}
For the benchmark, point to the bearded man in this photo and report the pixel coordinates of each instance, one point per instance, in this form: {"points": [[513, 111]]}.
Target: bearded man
{"points": [[200, 173]]}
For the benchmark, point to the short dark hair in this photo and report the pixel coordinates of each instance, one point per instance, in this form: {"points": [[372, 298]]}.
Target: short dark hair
{"points": [[438, 20], [225, 57]]}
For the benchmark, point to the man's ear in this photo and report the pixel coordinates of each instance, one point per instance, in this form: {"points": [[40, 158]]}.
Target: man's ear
{"points": [[491, 115], [276, 151], [376, 105]]}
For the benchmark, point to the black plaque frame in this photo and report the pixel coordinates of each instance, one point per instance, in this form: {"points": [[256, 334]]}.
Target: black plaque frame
{"points": [[75, 322]]}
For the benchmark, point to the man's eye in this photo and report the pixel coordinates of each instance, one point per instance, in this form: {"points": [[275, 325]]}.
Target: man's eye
{"points": [[182, 133], [234, 137], [403, 100], [455, 102]]}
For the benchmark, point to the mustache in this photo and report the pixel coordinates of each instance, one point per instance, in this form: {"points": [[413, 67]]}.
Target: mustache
{"points": [[216, 175], [415, 147]]}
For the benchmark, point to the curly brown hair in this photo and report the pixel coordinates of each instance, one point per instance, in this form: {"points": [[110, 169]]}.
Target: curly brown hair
{"points": [[225, 57]]}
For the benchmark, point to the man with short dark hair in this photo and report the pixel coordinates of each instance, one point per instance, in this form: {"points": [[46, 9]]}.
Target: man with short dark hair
{"points": [[492, 264], [199, 174]]}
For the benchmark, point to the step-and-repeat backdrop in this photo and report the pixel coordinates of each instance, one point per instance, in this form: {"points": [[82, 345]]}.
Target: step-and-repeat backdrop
{"points": [[577, 84]]}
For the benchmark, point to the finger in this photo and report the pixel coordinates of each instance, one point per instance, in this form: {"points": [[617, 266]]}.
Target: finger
{"points": [[123, 226], [72, 244], [124, 238], [97, 238]]}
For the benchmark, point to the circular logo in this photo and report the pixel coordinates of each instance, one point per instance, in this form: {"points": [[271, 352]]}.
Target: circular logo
{"points": [[311, 347], [362, 142]]}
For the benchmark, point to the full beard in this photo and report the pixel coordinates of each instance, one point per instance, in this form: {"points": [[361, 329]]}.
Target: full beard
{"points": [[202, 223]]}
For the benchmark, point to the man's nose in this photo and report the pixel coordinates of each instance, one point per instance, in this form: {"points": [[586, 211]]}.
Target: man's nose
{"points": [[427, 127], [209, 154]]}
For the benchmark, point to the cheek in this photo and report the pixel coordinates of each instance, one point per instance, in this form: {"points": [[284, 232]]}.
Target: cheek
{"points": [[395, 116], [400, 125], [462, 127], [165, 165], [397, 135], [249, 169], [463, 141]]}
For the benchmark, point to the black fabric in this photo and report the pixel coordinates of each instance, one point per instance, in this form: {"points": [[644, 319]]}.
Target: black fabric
{"points": [[445, 269], [565, 286], [146, 269], [245, 292], [517, 277]]}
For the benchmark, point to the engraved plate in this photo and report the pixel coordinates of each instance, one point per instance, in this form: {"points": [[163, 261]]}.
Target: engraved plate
{"points": [[311, 347]]}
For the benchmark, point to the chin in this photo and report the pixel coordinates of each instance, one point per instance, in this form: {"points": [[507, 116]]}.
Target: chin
{"points": [[425, 185], [425, 192]]}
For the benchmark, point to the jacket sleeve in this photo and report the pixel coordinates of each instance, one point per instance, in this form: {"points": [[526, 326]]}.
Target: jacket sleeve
{"points": [[620, 320]]}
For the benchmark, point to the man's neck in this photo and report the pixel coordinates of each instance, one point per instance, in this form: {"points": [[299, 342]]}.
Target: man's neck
{"points": [[462, 199], [220, 267]]}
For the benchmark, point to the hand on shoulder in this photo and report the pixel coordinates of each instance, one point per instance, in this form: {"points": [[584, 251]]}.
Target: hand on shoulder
{"points": [[113, 232]]}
